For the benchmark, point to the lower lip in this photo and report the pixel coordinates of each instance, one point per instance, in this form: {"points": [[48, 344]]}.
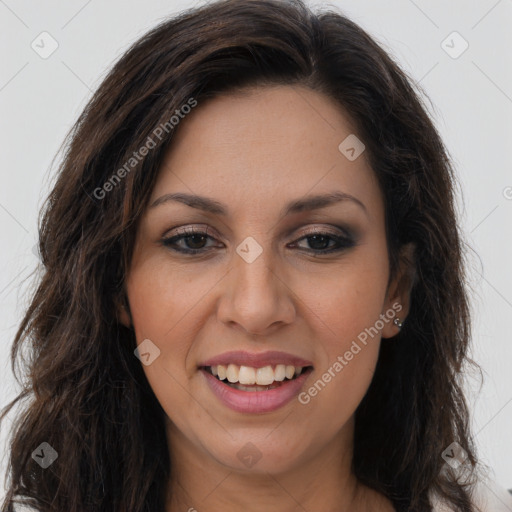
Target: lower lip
{"points": [[256, 401]]}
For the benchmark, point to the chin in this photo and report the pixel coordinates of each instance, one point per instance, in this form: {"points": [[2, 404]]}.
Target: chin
{"points": [[260, 454]]}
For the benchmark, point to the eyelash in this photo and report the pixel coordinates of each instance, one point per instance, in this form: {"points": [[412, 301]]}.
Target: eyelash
{"points": [[342, 242]]}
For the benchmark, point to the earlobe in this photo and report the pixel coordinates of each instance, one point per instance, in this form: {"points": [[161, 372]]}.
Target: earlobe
{"points": [[124, 318], [398, 301], [123, 312]]}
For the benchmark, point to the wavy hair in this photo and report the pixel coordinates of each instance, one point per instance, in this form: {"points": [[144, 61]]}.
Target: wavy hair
{"points": [[87, 395]]}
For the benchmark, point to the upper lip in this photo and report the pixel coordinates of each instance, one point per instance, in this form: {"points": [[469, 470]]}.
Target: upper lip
{"points": [[258, 360]]}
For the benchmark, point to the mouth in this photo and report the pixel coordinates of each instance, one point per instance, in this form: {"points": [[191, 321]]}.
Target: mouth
{"points": [[251, 390], [247, 378]]}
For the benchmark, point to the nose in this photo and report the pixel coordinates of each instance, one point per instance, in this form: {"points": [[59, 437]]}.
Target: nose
{"points": [[255, 298]]}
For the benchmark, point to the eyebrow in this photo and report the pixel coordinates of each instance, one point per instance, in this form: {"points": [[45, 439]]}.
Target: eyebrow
{"points": [[305, 204]]}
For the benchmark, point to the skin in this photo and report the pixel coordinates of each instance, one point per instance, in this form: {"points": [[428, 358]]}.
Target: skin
{"points": [[254, 152]]}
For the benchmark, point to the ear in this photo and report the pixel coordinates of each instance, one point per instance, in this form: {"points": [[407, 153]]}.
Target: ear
{"points": [[398, 297], [123, 310]]}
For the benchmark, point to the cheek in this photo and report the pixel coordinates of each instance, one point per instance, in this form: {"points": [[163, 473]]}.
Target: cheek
{"points": [[349, 299], [163, 312], [162, 297], [346, 311]]}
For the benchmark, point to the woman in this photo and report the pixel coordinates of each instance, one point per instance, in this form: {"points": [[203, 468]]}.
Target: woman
{"points": [[253, 293]]}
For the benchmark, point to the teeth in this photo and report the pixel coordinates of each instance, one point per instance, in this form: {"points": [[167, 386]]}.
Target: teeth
{"points": [[247, 375], [289, 371], [232, 373], [221, 371], [280, 372], [241, 387], [264, 376]]}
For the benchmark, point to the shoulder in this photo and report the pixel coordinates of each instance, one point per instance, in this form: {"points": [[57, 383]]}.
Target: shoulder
{"points": [[488, 496]]}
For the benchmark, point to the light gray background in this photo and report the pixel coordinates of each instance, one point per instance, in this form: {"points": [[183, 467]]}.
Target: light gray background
{"points": [[472, 98]]}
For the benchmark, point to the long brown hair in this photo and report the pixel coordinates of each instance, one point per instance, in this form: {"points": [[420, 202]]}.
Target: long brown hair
{"points": [[87, 396]]}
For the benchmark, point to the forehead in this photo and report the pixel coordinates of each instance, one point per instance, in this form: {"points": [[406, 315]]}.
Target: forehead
{"points": [[263, 146]]}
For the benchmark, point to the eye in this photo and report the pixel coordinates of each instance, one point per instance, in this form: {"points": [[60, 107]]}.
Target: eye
{"points": [[324, 242], [188, 241], [194, 241]]}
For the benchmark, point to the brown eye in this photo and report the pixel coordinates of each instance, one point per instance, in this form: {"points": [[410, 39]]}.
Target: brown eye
{"points": [[323, 243], [188, 241], [191, 241]]}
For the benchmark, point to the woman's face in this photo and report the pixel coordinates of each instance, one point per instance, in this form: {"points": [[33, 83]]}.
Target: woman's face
{"points": [[290, 270]]}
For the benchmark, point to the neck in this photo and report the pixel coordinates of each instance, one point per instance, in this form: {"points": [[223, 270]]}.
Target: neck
{"points": [[322, 482]]}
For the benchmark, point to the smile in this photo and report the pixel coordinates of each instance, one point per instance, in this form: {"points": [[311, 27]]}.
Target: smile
{"points": [[254, 379], [255, 390]]}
